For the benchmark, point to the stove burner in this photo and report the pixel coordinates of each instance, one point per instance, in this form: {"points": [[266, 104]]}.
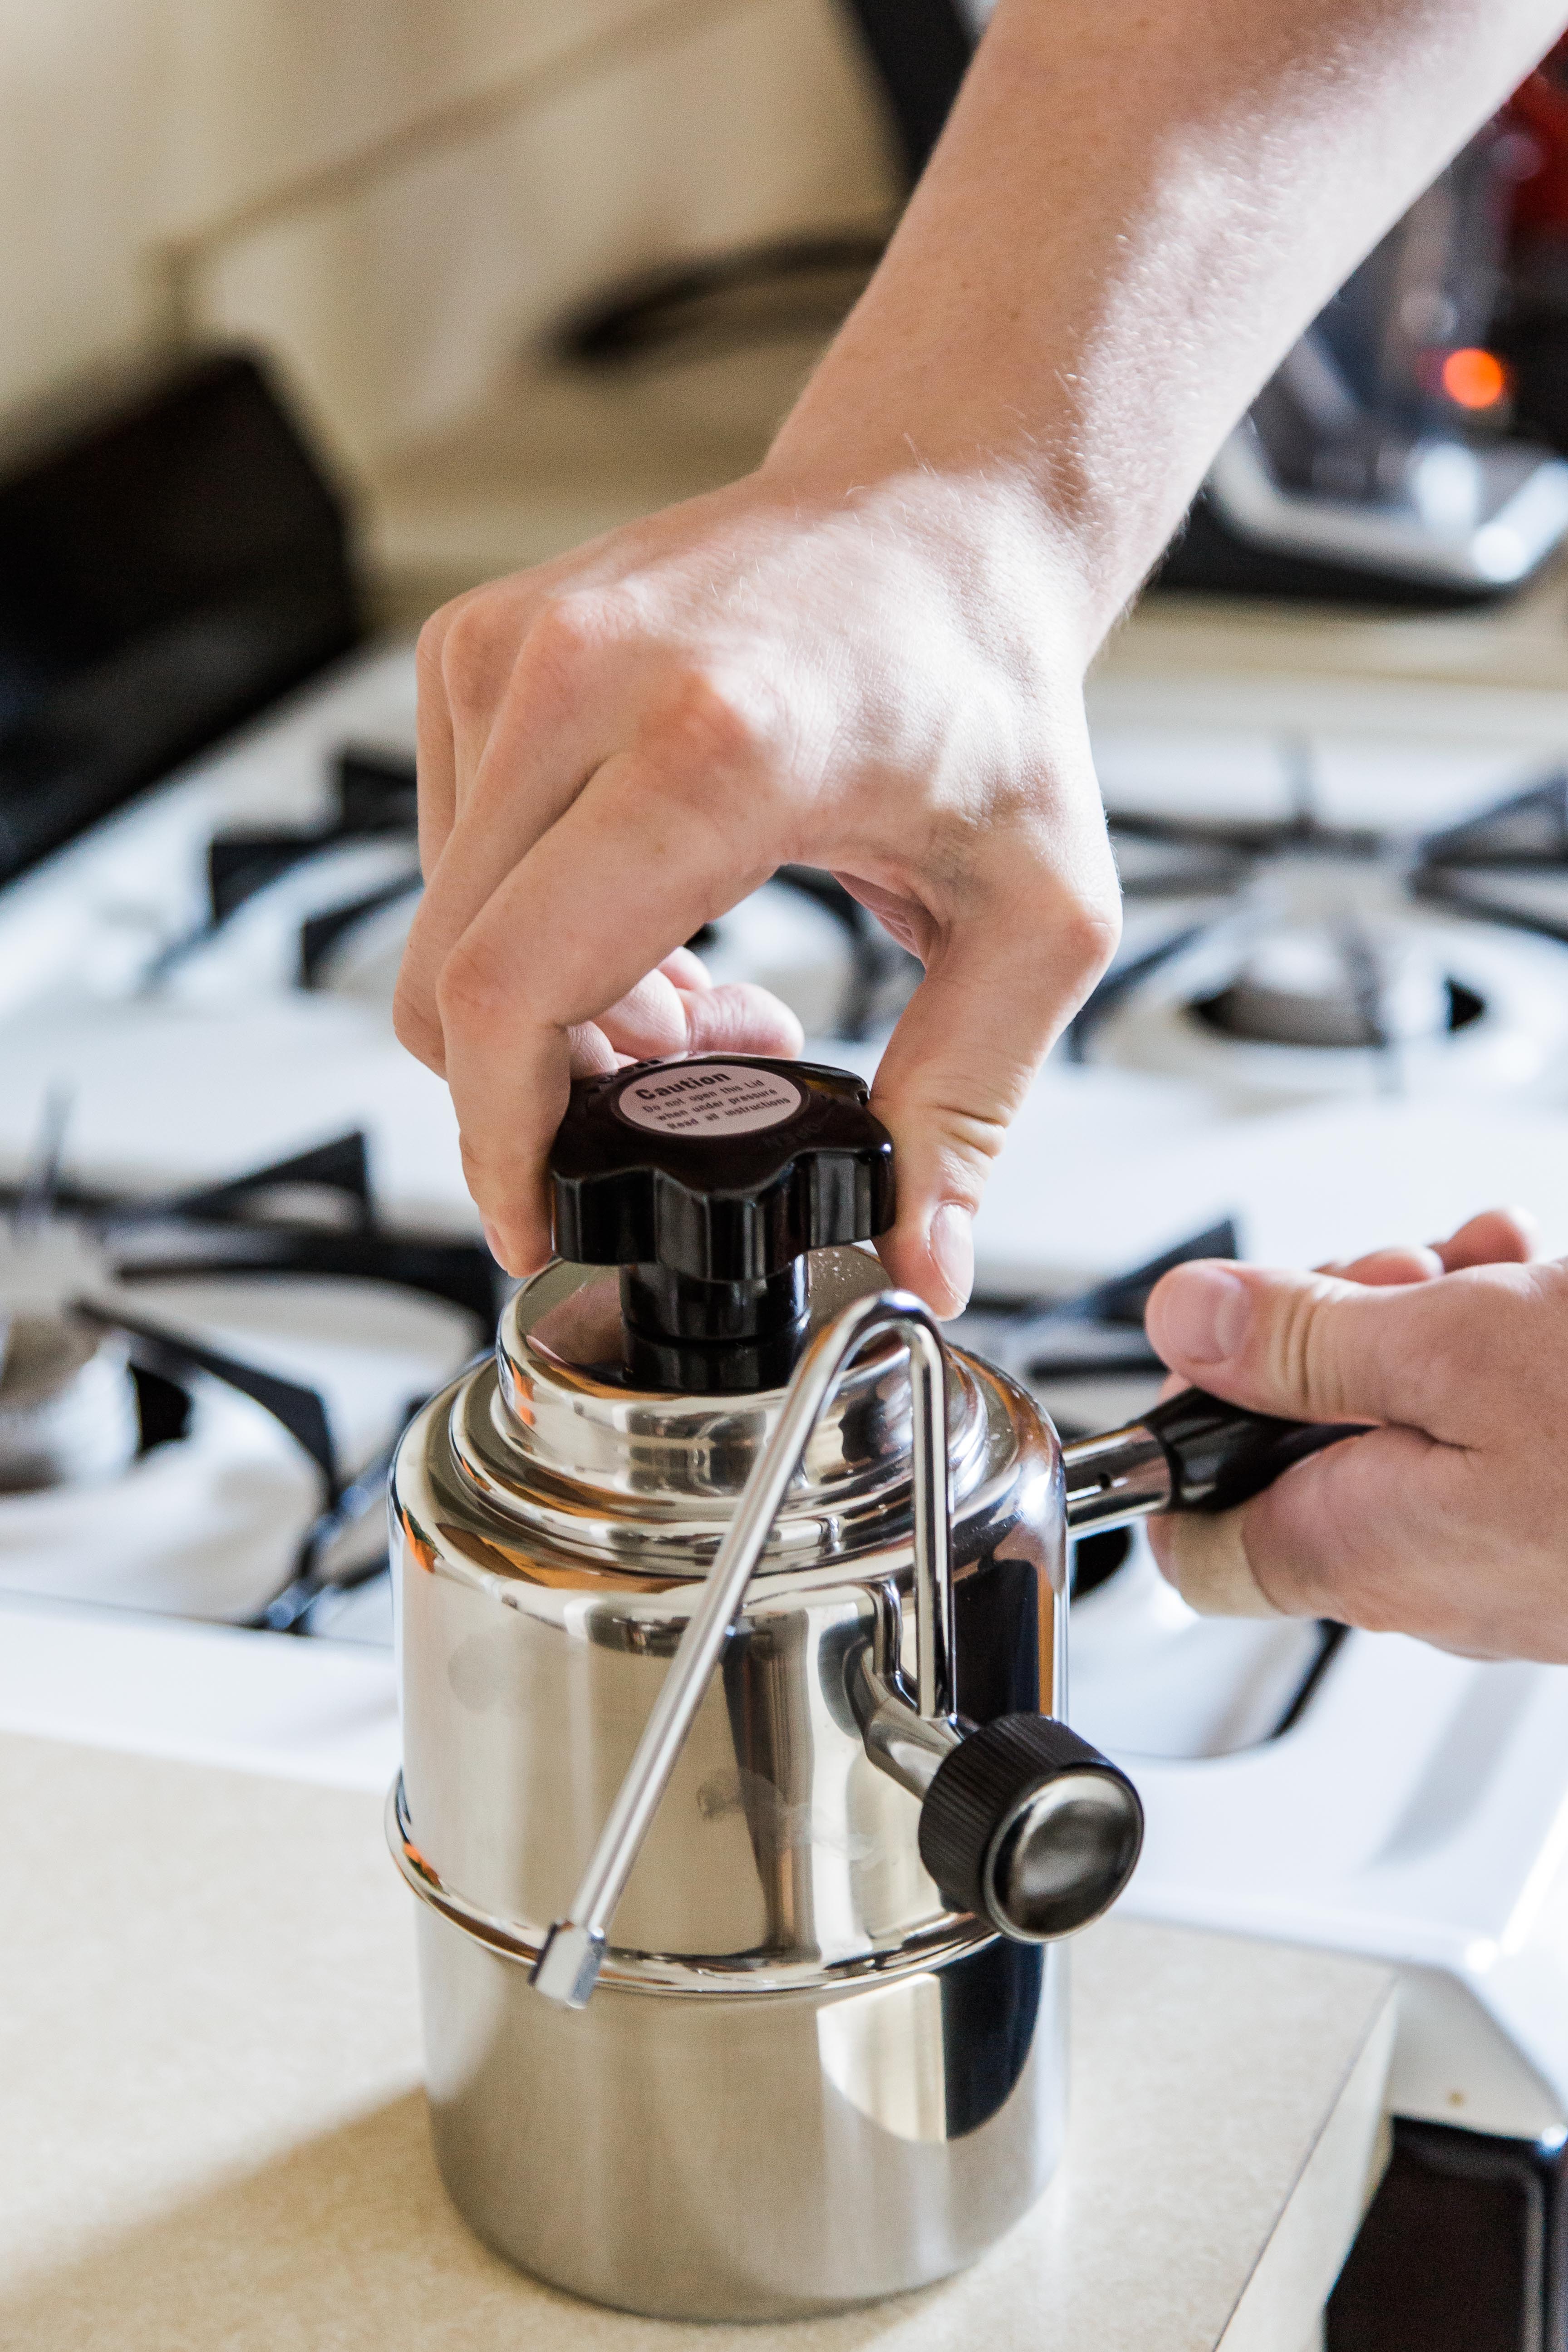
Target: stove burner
{"points": [[90, 1385], [1531, 826], [1305, 955], [1093, 1340], [327, 907], [1324, 990], [1509, 865], [376, 796]]}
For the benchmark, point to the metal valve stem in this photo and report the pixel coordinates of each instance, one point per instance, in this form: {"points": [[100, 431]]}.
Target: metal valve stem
{"points": [[1123, 1475]]}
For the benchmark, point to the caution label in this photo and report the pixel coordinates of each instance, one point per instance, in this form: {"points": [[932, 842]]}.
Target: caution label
{"points": [[710, 1098]]}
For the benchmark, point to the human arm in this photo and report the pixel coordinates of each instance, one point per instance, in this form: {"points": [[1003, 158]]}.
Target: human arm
{"points": [[869, 655]]}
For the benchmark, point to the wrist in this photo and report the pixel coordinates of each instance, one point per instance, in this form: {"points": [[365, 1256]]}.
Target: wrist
{"points": [[984, 526]]}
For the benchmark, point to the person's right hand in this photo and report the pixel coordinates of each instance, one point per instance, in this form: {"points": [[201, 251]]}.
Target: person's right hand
{"points": [[1449, 1519], [883, 680]]}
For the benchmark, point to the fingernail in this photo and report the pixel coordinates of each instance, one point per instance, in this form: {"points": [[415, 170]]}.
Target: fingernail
{"points": [[494, 1244], [953, 1249], [1204, 1314]]}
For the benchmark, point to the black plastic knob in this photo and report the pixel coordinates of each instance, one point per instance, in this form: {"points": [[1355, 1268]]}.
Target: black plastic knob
{"points": [[707, 1181], [1030, 1827]]}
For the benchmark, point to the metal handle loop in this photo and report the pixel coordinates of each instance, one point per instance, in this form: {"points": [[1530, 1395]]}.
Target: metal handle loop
{"points": [[569, 1963]]}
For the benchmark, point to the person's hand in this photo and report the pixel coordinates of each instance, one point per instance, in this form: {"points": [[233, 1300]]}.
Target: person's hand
{"points": [[616, 747], [1449, 1519]]}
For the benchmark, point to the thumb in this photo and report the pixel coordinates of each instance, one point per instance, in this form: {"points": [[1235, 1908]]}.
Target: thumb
{"points": [[1307, 1347], [997, 990]]}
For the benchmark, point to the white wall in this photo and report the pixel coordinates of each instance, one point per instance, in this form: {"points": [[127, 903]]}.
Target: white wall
{"points": [[82, 141], [395, 195]]}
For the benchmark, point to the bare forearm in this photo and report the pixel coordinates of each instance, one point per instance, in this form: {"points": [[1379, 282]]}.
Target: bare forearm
{"points": [[1134, 211]]}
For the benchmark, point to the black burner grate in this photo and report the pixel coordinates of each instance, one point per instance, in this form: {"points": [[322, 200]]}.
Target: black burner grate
{"points": [[1508, 866]]}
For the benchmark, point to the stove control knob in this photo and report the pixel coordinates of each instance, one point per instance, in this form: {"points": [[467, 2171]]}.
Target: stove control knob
{"points": [[707, 1181], [1030, 1827]]}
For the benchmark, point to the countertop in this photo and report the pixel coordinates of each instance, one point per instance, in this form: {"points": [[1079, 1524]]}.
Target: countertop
{"points": [[214, 2135]]}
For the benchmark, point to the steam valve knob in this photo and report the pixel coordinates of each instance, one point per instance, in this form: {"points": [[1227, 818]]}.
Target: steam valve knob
{"points": [[1030, 1827], [707, 1181]]}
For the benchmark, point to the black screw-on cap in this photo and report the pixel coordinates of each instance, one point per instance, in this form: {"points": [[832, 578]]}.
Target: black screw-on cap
{"points": [[1028, 1826], [708, 1180]]}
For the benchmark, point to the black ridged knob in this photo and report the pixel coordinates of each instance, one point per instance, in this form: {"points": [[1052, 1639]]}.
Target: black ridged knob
{"points": [[707, 1181], [1028, 1826]]}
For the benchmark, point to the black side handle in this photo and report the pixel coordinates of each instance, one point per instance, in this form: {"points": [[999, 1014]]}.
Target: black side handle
{"points": [[1221, 1454]]}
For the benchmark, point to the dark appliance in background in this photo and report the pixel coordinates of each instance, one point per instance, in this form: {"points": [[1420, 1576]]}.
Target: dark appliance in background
{"points": [[1390, 452], [1530, 333], [780, 287], [920, 49], [1464, 2249], [172, 558]]}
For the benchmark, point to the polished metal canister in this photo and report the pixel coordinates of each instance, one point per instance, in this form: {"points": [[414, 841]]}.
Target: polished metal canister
{"points": [[803, 2080]]}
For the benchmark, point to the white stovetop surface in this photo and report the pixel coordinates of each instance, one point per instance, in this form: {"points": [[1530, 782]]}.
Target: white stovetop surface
{"points": [[292, 1708]]}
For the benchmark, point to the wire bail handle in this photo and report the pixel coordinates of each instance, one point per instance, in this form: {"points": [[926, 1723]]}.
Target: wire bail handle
{"points": [[568, 1964]]}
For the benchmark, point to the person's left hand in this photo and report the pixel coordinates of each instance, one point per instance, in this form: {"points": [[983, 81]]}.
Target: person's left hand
{"points": [[1449, 1519]]}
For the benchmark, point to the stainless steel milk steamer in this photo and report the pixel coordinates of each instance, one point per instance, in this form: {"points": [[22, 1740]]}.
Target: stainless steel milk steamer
{"points": [[725, 1551]]}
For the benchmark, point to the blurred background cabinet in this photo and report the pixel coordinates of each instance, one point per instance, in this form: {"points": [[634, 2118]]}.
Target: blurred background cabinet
{"points": [[398, 199]]}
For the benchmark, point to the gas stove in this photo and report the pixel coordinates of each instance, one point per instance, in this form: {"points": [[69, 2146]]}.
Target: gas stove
{"points": [[1337, 1018]]}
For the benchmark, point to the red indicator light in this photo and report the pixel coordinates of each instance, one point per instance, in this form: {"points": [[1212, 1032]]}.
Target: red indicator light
{"points": [[1474, 379]]}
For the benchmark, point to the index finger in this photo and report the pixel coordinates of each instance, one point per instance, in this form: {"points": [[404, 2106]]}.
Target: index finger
{"points": [[635, 865]]}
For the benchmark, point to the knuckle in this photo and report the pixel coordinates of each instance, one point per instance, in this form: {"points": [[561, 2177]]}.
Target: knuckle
{"points": [[701, 722], [1090, 928], [470, 994], [1070, 919], [431, 641], [477, 1167], [561, 637], [413, 1025], [1301, 1357], [477, 650]]}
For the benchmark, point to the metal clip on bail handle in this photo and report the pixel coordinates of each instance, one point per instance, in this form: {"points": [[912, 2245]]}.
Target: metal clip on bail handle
{"points": [[568, 1965]]}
